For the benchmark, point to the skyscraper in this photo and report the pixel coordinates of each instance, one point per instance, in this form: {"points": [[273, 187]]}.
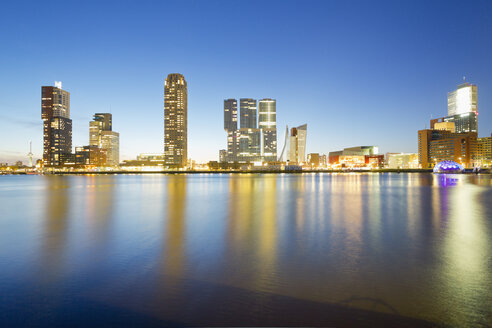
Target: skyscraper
{"points": [[297, 149], [175, 120], [101, 122], [57, 125], [268, 126], [102, 136], [249, 139], [462, 100], [230, 126]]}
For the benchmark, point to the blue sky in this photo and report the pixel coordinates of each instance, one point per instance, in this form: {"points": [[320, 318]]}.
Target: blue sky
{"points": [[357, 72]]}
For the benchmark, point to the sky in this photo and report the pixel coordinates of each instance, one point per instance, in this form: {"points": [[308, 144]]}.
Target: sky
{"points": [[357, 72]]}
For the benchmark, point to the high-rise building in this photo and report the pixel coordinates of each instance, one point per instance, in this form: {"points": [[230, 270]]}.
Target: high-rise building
{"points": [[102, 136], [101, 122], [249, 134], [175, 120], [222, 156], [297, 144], [462, 100], [57, 125], [268, 125], [465, 122], [462, 110], [110, 141], [230, 126]]}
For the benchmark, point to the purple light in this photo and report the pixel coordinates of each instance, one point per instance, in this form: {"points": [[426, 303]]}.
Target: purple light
{"points": [[448, 167]]}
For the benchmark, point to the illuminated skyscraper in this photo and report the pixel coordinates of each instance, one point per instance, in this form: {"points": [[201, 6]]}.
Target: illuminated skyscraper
{"points": [[102, 136], [57, 125], [297, 148], [230, 126], [462, 100], [175, 120], [101, 122], [268, 126], [249, 139]]}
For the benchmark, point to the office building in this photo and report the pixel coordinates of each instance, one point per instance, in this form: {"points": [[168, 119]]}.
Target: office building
{"points": [[175, 120], [230, 127], [110, 141], [102, 136], [222, 156], [313, 159], [249, 134], [465, 122], [297, 144], [462, 100], [100, 122], [57, 125], [442, 145], [462, 110], [485, 151], [267, 121], [403, 161], [90, 156]]}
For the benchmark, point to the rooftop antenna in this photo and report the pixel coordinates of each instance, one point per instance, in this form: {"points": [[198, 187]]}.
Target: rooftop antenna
{"points": [[30, 153]]}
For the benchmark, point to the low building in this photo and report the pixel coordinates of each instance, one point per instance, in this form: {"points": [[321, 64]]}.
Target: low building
{"points": [[313, 159], [403, 161], [485, 151], [90, 156], [360, 156], [441, 145]]}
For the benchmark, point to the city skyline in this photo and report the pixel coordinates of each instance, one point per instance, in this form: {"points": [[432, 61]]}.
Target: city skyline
{"points": [[375, 97]]}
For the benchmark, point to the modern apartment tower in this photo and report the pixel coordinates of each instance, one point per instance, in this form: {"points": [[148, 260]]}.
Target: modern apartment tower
{"points": [[297, 144], [57, 125], [268, 125], [249, 139], [175, 120], [101, 135], [230, 127]]}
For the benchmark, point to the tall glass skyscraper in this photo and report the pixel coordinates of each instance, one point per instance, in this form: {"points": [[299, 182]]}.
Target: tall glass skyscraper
{"points": [[175, 120], [230, 126], [268, 125], [250, 135], [462, 100], [57, 125]]}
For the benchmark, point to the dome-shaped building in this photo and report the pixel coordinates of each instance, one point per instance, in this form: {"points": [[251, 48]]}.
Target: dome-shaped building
{"points": [[448, 167]]}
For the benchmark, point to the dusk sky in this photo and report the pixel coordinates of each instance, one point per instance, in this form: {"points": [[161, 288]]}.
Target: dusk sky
{"points": [[357, 72]]}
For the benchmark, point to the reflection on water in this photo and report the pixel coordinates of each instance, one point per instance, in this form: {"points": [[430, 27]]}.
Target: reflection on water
{"points": [[313, 249]]}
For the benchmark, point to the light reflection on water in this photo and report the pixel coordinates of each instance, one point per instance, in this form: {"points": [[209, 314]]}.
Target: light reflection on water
{"points": [[246, 249]]}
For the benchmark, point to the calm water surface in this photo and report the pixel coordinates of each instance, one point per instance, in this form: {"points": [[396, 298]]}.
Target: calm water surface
{"points": [[400, 250]]}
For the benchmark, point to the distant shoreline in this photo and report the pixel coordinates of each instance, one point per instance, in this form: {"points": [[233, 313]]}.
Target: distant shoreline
{"points": [[237, 172]]}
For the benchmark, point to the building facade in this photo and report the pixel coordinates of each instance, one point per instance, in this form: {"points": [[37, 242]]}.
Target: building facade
{"points": [[249, 134], [297, 144], [462, 100], [176, 120], [267, 120], [102, 136], [57, 125], [442, 145], [230, 127]]}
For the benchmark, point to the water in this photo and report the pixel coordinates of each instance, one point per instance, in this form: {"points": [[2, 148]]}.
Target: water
{"points": [[400, 250]]}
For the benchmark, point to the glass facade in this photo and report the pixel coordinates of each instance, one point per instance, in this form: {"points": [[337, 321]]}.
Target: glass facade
{"points": [[268, 125], [176, 120], [57, 126]]}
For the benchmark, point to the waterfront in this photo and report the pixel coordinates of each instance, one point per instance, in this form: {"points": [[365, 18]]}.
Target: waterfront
{"points": [[246, 249]]}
